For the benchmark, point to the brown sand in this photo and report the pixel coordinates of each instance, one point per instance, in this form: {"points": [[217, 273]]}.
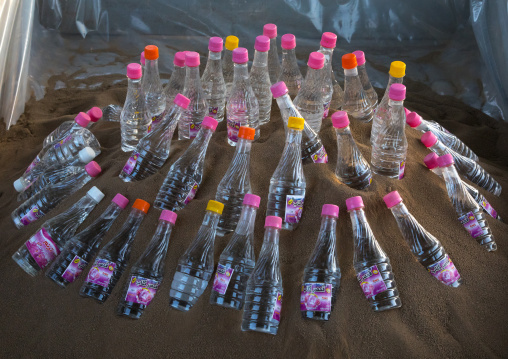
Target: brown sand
{"points": [[41, 320]]}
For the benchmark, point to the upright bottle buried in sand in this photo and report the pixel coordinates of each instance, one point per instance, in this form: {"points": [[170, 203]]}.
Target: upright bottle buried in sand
{"points": [[356, 102], [212, 80], [227, 64], [177, 79], [364, 79], [333, 96], [270, 30], [260, 79], [290, 72], [155, 97]]}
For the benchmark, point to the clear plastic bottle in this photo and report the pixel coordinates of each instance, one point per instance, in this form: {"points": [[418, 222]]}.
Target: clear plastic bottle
{"points": [[212, 80], [185, 175], [195, 266], [260, 78], [356, 102], [380, 120], [286, 194], [242, 107], [415, 121], [177, 80], [290, 72], [112, 113], [312, 147], [321, 276], [237, 260], [155, 97], [333, 96], [142, 62], [44, 201], [227, 64], [147, 273], [309, 101], [235, 183], [469, 212], [82, 120], [424, 246], [263, 295], [433, 124], [372, 265], [364, 79], [79, 250], [466, 166], [112, 260], [153, 149], [352, 168], [270, 30], [390, 149], [43, 247], [133, 122]]}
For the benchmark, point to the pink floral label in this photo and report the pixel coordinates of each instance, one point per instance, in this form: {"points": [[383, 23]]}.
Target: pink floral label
{"points": [[445, 271], [60, 143], [471, 224], [34, 214], [402, 167], [192, 193], [371, 281], [277, 308], [194, 129], [233, 129], [141, 290], [488, 208], [320, 156], [33, 164], [222, 278], [74, 269], [101, 272], [326, 109], [42, 248], [212, 111], [158, 118], [131, 163], [316, 297], [294, 208]]}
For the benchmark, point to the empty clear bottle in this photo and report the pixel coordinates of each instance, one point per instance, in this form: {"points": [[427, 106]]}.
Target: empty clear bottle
{"points": [[356, 101], [153, 149], [424, 246], [390, 149], [321, 276], [79, 250], [364, 79], [155, 97], [263, 295], [228, 65], [43, 247], [430, 123], [82, 120], [235, 183], [290, 72], [333, 96], [309, 101], [112, 260], [43, 202], [469, 212], [112, 113], [212, 80], [352, 168], [147, 273], [237, 260], [466, 166], [312, 147], [195, 266], [185, 175], [270, 30], [260, 78], [286, 194], [372, 265], [177, 80]]}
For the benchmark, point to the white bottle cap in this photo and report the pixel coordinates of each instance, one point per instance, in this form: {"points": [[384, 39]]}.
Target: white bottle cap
{"points": [[96, 194], [19, 184], [86, 154]]}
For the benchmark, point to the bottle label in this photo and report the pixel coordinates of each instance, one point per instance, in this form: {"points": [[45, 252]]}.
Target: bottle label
{"points": [[471, 224], [316, 297], [320, 156], [74, 269], [34, 214], [222, 278], [60, 143], [488, 208], [42, 248], [33, 164], [158, 118], [294, 208], [326, 109], [402, 167], [445, 271], [194, 129], [141, 290], [101, 272], [277, 307], [192, 193], [131, 163], [212, 111], [233, 129], [371, 281]]}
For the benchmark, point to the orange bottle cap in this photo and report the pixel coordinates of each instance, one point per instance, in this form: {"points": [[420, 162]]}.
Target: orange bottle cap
{"points": [[349, 61], [247, 133], [151, 52], [141, 205]]}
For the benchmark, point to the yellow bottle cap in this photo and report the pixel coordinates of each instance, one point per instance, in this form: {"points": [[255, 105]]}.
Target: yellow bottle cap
{"points": [[397, 69], [215, 206], [296, 123], [231, 42]]}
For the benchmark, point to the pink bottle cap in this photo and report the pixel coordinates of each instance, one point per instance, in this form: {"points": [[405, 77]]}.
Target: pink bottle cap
{"points": [[392, 198], [240, 55], [445, 160], [316, 60], [273, 221], [82, 119], [360, 57], [209, 122], [279, 89], [330, 210], [215, 44], [354, 203], [182, 101], [413, 119], [93, 169], [179, 59], [328, 40], [428, 139], [397, 92], [120, 200], [95, 114], [406, 111], [168, 216], [262, 43], [142, 58], [288, 41], [340, 119], [431, 161], [192, 59], [251, 200], [270, 30], [134, 71]]}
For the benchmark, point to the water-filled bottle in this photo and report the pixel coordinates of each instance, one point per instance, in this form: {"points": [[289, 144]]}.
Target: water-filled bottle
{"points": [[177, 80], [290, 72], [155, 97], [260, 78], [212, 80], [227, 64], [364, 79], [270, 30], [356, 102]]}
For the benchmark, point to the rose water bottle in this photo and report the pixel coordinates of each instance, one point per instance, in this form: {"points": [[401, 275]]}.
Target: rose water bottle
{"points": [[356, 102], [212, 80], [155, 97], [290, 72], [270, 30], [82, 120], [177, 80], [333, 96], [364, 79], [260, 79], [228, 65]]}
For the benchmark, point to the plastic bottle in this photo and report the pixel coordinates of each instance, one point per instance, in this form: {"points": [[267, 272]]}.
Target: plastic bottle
{"points": [[469, 212], [312, 147], [263, 295], [112, 260], [79, 250], [356, 102], [372, 265], [424, 246], [260, 78], [352, 169], [155, 97], [228, 65], [242, 106], [147, 273], [112, 112], [43, 247], [415, 121], [177, 80], [212, 80], [235, 183], [153, 149], [380, 120], [270, 30], [390, 150], [195, 266], [333, 96], [82, 120], [185, 175], [237, 260], [286, 194], [364, 79], [321, 276], [133, 122], [467, 167], [433, 124], [44, 201], [290, 72]]}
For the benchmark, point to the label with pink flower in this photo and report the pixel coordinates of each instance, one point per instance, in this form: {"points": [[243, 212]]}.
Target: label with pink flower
{"points": [[131, 163], [101, 272], [60, 143], [212, 111], [488, 208], [471, 224], [34, 214], [194, 129], [42, 248], [141, 290], [277, 307], [326, 109], [371, 281], [158, 118], [320, 156], [233, 129], [74, 269], [402, 167], [222, 278], [192, 193], [445, 271], [316, 297], [33, 164], [294, 208]]}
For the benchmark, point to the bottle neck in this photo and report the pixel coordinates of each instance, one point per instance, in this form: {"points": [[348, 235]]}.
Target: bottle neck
{"points": [[293, 137], [66, 223], [134, 85], [439, 148], [399, 210], [153, 258], [214, 62], [328, 224], [273, 45], [393, 80], [243, 146], [247, 220], [191, 76], [101, 225], [270, 241], [351, 72], [260, 59], [289, 56], [328, 52], [151, 68], [343, 131], [121, 242], [211, 220], [241, 72], [313, 77], [450, 174]]}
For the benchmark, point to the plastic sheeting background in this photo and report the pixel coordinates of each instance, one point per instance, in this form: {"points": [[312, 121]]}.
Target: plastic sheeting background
{"points": [[457, 47]]}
